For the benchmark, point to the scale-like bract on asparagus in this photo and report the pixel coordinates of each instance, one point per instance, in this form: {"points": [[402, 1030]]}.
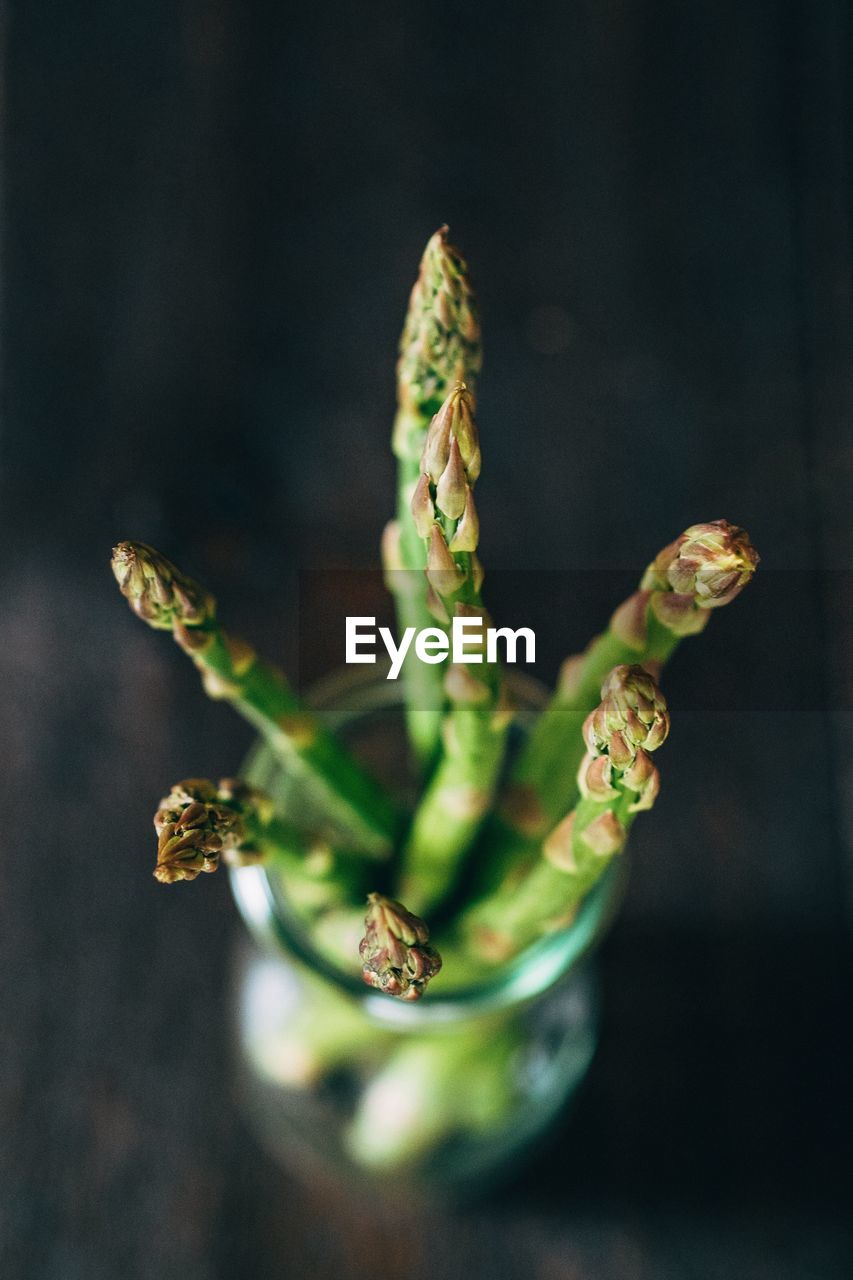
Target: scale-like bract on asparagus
{"points": [[474, 730], [230, 669], [439, 347], [617, 780]]}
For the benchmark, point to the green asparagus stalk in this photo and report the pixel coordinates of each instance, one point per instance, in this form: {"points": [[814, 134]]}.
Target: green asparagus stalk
{"points": [[230, 669], [474, 730], [617, 780], [704, 569], [200, 823], [395, 952], [440, 345], [317, 1035], [430, 1091]]}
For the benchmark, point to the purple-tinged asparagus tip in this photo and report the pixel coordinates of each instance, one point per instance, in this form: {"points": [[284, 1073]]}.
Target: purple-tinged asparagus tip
{"points": [[708, 565], [197, 822], [395, 952]]}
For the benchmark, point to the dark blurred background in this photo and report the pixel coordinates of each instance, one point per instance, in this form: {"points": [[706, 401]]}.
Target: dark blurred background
{"points": [[213, 215]]}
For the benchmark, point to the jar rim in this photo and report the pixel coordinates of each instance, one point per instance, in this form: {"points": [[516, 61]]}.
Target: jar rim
{"points": [[343, 697]]}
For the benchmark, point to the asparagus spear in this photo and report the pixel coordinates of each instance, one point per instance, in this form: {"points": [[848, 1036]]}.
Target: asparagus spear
{"points": [[199, 822], [440, 345], [395, 951], [475, 727], [704, 569], [169, 601], [617, 780]]}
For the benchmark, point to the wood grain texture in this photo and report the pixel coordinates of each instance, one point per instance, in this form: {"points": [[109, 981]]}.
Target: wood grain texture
{"points": [[211, 219]]}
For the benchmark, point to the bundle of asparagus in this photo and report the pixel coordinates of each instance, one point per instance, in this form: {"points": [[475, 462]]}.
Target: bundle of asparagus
{"points": [[535, 833]]}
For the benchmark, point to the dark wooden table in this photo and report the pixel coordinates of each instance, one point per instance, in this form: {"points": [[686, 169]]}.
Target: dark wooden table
{"points": [[213, 213]]}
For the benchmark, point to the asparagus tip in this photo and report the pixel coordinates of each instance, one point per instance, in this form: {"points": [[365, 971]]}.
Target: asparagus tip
{"points": [[440, 343], [630, 722], [157, 591], [196, 823], [395, 952], [707, 566]]}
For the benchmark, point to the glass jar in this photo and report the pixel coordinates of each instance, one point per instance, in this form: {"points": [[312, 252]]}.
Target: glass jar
{"points": [[440, 1096]]}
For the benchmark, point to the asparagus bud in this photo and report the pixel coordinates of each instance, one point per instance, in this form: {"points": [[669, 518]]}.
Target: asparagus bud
{"points": [[630, 722], [440, 343], [196, 822], [395, 954], [158, 592], [711, 562], [191, 834], [631, 715], [705, 568]]}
